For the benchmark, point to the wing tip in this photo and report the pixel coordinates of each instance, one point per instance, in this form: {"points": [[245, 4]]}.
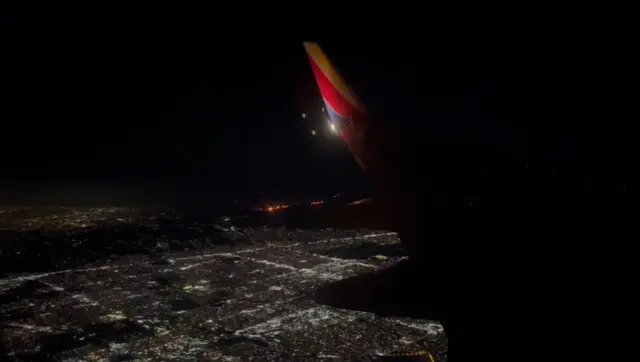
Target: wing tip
{"points": [[309, 46]]}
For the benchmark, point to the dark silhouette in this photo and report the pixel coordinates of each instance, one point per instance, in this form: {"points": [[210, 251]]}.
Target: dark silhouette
{"points": [[519, 262]]}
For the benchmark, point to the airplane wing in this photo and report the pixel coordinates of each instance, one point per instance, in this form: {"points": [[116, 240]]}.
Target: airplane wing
{"points": [[363, 138]]}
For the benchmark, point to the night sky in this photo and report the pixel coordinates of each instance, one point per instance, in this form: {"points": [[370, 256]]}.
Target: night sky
{"points": [[179, 99]]}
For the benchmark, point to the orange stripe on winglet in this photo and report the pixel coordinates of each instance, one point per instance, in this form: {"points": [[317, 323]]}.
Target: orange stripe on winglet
{"points": [[322, 61]]}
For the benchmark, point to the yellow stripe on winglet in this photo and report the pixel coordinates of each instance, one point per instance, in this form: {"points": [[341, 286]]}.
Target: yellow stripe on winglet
{"points": [[323, 62]]}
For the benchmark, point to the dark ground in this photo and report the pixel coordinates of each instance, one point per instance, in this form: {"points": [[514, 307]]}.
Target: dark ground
{"points": [[125, 284]]}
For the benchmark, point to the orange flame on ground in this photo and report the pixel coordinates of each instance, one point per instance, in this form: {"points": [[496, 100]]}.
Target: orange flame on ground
{"points": [[272, 208]]}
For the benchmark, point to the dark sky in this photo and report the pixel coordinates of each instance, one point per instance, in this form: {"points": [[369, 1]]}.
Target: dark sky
{"points": [[182, 99]]}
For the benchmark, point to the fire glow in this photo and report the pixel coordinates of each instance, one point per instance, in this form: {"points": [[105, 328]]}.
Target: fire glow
{"points": [[274, 208]]}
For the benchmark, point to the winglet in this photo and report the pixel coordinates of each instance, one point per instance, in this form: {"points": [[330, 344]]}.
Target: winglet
{"points": [[345, 110], [369, 144]]}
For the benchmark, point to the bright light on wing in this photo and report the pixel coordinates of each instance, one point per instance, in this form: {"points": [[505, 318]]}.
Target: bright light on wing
{"points": [[333, 127]]}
